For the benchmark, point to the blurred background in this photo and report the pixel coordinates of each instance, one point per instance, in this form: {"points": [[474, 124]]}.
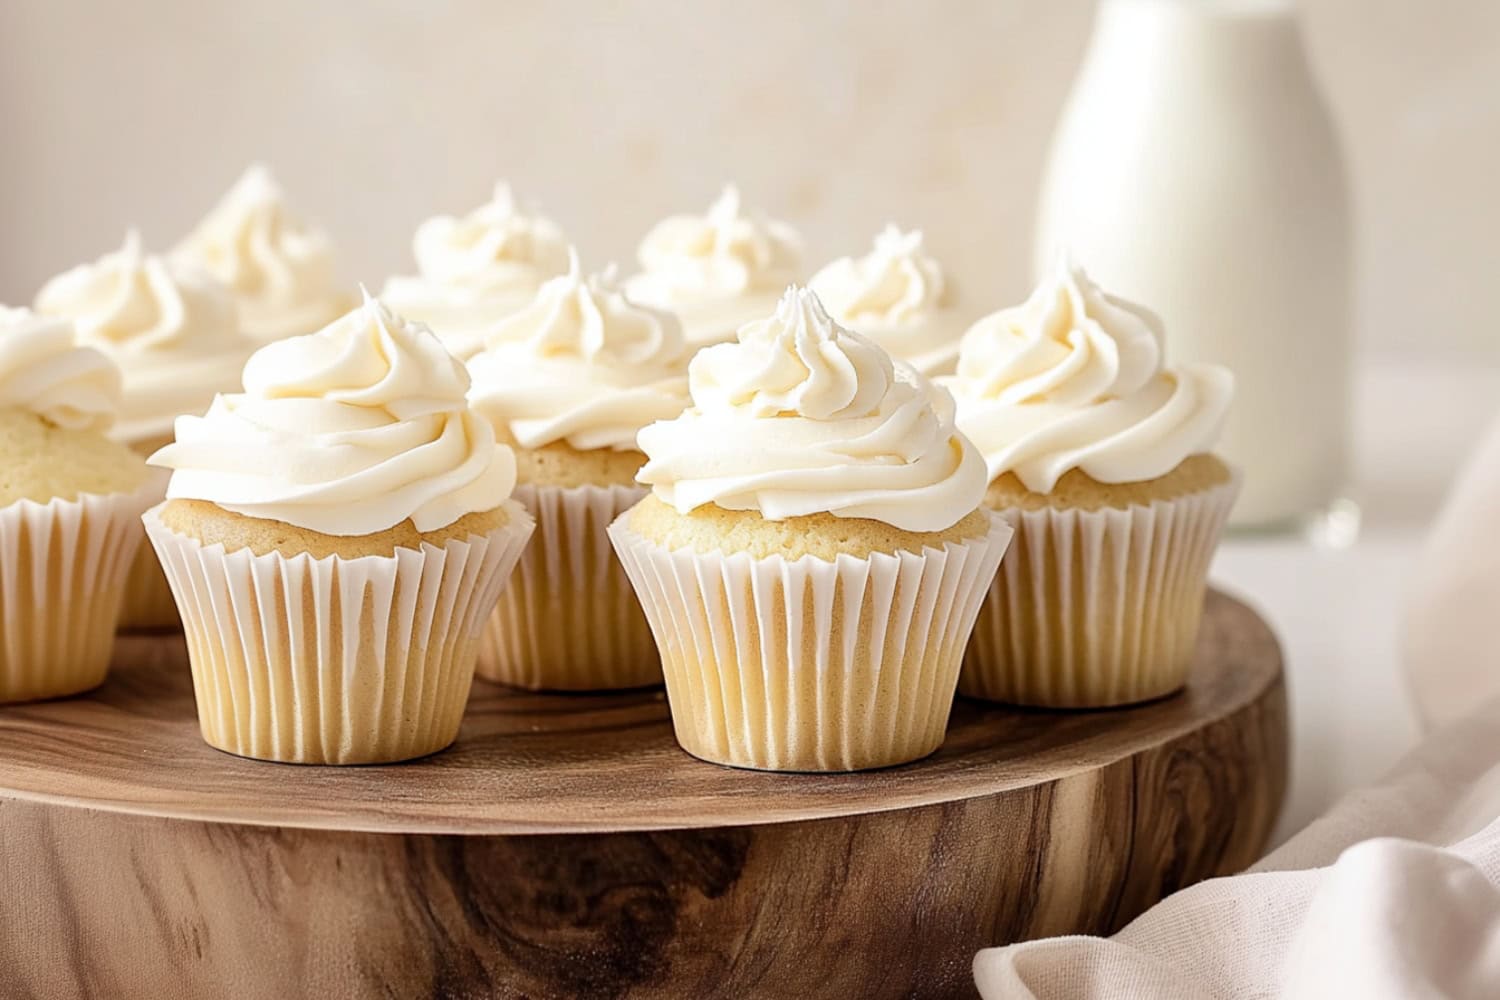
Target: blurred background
{"points": [[835, 115]]}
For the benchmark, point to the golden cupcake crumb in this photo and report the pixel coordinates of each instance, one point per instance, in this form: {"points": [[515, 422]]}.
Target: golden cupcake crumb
{"points": [[40, 460], [822, 536], [560, 464], [1076, 490], [210, 523]]}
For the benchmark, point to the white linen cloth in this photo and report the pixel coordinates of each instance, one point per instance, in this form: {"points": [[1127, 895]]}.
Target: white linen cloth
{"points": [[1395, 893], [1449, 653]]}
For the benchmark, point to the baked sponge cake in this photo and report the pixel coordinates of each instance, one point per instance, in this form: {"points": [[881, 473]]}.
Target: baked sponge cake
{"points": [[173, 329], [335, 536], [569, 381], [814, 554], [69, 502], [1100, 456]]}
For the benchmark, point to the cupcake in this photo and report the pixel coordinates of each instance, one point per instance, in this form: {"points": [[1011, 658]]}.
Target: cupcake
{"points": [[897, 296], [336, 536], [1101, 459], [813, 552], [280, 271], [569, 381], [69, 502], [172, 329], [476, 270], [716, 271]]}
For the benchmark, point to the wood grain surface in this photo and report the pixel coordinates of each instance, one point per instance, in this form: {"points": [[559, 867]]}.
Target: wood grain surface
{"points": [[566, 848]]}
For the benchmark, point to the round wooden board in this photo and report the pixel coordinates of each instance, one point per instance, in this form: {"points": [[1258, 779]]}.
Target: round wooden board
{"points": [[565, 847]]}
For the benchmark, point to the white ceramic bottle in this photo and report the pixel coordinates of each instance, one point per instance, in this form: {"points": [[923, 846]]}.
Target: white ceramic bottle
{"points": [[1196, 171]]}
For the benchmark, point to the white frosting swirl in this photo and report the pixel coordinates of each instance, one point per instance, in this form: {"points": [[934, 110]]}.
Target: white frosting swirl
{"points": [[897, 296], [281, 271], [347, 431], [43, 370], [801, 416], [1073, 379], [582, 364], [478, 269], [716, 271], [170, 327]]}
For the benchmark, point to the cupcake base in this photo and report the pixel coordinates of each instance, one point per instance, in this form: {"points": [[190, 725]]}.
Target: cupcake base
{"points": [[810, 664], [1097, 608], [335, 660], [569, 620], [148, 603], [63, 567]]}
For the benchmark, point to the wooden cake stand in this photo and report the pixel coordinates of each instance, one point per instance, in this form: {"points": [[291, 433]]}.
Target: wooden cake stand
{"points": [[565, 847]]}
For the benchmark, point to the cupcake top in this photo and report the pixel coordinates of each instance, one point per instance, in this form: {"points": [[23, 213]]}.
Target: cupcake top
{"points": [[800, 416], [44, 371], [582, 364], [171, 328], [716, 271], [897, 296], [1074, 379], [476, 269], [281, 271], [348, 431]]}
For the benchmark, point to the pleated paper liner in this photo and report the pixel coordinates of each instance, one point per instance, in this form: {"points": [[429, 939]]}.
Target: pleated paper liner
{"points": [[63, 567], [148, 603], [569, 620], [335, 661], [1097, 608], [810, 665]]}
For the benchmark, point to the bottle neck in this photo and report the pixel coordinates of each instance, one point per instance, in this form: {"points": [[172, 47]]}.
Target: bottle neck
{"points": [[1214, 42]]}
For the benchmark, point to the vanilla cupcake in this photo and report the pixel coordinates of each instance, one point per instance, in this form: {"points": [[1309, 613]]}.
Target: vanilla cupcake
{"points": [[69, 503], [280, 271], [813, 553], [1100, 457], [336, 536], [716, 271], [569, 381], [476, 270], [897, 296], [172, 329]]}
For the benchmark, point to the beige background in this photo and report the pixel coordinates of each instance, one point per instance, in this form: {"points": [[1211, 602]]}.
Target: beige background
{"points": [[837, 115]]}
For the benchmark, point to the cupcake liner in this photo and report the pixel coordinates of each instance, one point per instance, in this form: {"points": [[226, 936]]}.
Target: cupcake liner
{"points": [[1097, 608], [810, 665], [332, 660], [569, 621], [148, 603], [63, 566]]}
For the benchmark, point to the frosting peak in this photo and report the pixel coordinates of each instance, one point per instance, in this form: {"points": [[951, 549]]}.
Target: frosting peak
{"points": [[495, 246], [717, 270], [477, 269], [581, 364], [801, 416], [281, 271], [347, 431], [897, 296], [45, 371], [1074, 378], [797, 363], [133, 301], [171, 327]]}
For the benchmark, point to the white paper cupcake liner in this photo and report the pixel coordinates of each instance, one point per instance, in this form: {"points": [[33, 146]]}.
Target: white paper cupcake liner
{"points": [[1097, 608], [63, 567], [569, 621], [810, 665], [332, 660], [148, 603]]}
